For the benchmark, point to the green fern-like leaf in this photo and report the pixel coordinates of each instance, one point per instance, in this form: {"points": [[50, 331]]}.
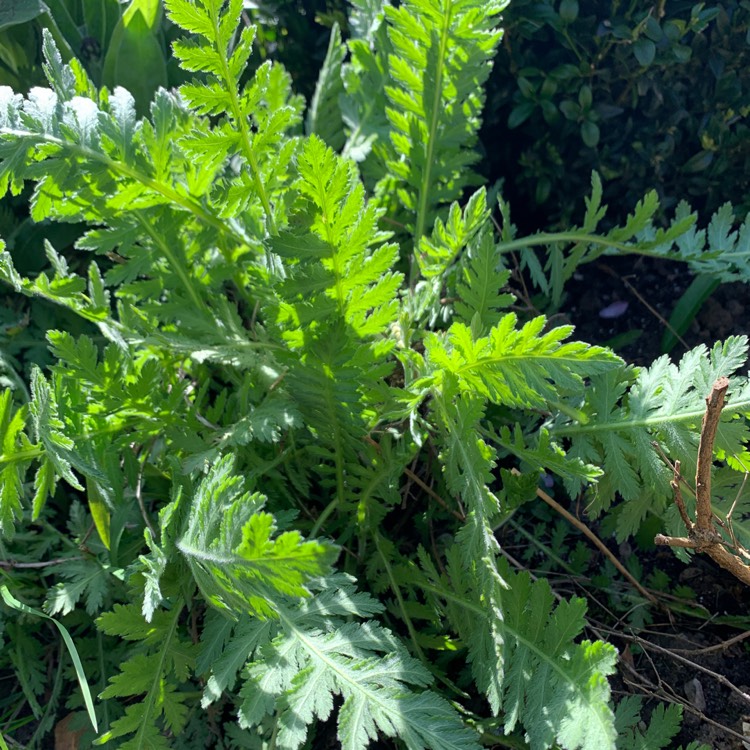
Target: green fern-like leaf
{"points": [[481, 279], [540, 453], [306, 652], [363, 105], [254, 120], [14, 466], [338, 272], [663, 725], [227, 646], [567, 250], [443, 246], [230, 547], [318, 655], [85, 578], [524, 655], [465, 377], [155, 675], [48, 430], [721, 250], [442, 52], [324, 114], [518, 367]]}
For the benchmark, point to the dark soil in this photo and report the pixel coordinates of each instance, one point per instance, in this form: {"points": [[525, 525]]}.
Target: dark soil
{"points": [[698, 678], [685, 660], [651, 288]]}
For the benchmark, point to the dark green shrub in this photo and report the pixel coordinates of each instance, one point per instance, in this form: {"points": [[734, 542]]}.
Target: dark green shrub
{"points": [[648, 95]]}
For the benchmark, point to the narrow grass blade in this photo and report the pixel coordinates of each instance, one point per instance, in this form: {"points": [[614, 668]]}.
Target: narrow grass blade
{"points": [[11, 601]]}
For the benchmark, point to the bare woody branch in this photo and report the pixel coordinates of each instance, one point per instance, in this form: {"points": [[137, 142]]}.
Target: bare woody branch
{"points": [[702, 534]]}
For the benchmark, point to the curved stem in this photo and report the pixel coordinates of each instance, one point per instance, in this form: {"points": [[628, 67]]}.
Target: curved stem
{"points": [[536, 240]]}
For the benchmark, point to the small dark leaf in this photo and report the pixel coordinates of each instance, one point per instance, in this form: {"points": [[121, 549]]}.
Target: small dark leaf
{"points": [[570, 109], [529, 72], [569, 10], [585, 97], [700, 20], [674, 30], [549, 88], [590, 133], [644, 51], [698, 162], [621, 31], [682, 53], [549, 112], [653, 30], [564, 72], [527, 87], [520, 113]]}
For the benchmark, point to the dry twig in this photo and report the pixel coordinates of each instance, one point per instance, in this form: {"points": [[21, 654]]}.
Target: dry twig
{"points": [[702, 534], [595, 540], [663, 691]]}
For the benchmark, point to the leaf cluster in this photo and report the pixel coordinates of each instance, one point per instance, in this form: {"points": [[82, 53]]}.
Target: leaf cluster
{"points": [[259, 393], [642, 98]]}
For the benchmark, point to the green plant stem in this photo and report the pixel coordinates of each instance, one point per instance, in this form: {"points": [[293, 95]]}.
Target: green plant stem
{"points": [[240, 121], [426, 183], [400, 599], [323, 517], [26, 455], [177, 264], [692, 417], [536, 240], [274, 734], [573, 46]]}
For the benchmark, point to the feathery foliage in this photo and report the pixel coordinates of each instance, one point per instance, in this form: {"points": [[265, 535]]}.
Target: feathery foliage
{"points": [[663, 403], [719, 251], [441, 57], [258, 405], [236, 562]]}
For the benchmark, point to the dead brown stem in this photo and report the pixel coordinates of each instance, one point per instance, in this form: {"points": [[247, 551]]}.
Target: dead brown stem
{"points": [[716, 647], [702, 535], [595, 540], [714, 404], [674, 541]]}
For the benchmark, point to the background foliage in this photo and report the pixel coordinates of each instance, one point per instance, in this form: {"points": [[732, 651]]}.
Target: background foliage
{"points": [[257, 452], [648, 94]]}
